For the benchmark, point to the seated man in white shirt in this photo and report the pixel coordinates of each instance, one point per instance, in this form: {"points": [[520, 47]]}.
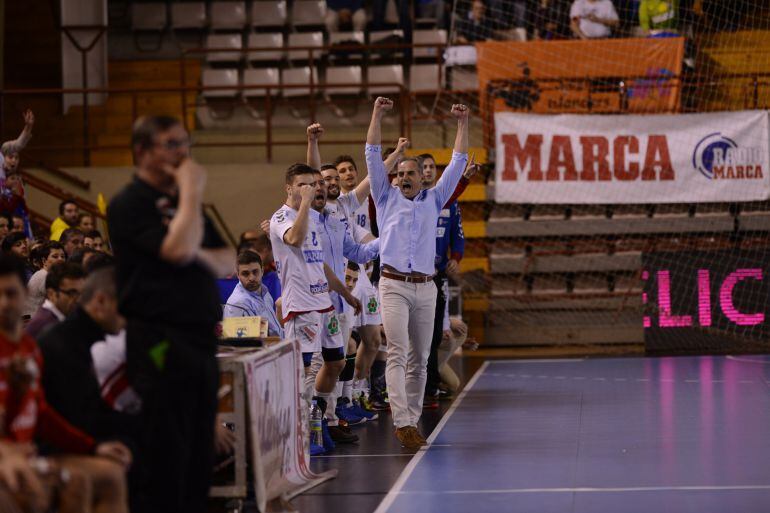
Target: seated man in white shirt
{"points": [[593, 19], [250, 298]]}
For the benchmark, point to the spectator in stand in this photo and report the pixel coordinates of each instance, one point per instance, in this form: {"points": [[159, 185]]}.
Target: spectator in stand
{"points": [[250, 297], [593, 19], [553, 19], [72, 387], [93, 240], [28, 416], [345, 12], [6, 222], [9, 151], [63, 285], [18, 244], [18, 224], [83, 255], [477, 25], [658, 17], [51, 253], [68, 218], [270, 277], [86, 222], [72, 239]]}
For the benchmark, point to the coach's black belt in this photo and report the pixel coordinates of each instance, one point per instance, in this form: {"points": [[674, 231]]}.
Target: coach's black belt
{"points": [[406, 277]]}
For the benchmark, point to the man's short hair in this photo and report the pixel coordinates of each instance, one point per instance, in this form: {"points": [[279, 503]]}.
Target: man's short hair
{"points": [[324, 167], [43, 252], [9, 148], [62, 271], [416, 160], [98, 261], [296, 170], [249, 257], [344, 158], [83, 215], [94, 234], [426, 156], [12, 239], [79, 255], [101, 280], [9, 218], [147, 127], [353, 266], [67, 234], [262, 243], [64, 204], [11, 265]]}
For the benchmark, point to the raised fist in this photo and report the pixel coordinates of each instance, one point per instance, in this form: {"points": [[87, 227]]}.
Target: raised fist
{"points": [[403, 144], [315, 131], [307, 192], [382, 104], [461, 112], [29, 118]]}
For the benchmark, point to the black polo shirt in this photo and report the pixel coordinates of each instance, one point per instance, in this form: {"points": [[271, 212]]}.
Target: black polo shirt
{"points": [[150, 288]]}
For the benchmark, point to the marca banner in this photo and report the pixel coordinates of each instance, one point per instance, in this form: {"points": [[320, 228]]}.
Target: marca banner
{"points": [[582, 159], [606, 75], [706, 300], [279, 423]]}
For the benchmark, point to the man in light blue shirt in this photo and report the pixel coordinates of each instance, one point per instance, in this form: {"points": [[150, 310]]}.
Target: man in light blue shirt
{"points": [[250, 297], [407, 216]]}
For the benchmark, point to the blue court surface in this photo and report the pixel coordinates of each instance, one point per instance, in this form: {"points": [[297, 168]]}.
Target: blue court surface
{"points": [[678, 434]]}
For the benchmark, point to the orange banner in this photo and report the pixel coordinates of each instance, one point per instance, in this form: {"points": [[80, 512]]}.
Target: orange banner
{"points": [[597, 76]]}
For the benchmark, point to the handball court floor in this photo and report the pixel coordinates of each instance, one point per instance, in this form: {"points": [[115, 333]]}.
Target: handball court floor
{"points": [[666, 434]]}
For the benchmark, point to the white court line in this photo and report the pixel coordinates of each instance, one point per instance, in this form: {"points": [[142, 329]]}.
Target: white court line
{"points": [[593, 490], [387, 502], [746, 359], [391, 455]]}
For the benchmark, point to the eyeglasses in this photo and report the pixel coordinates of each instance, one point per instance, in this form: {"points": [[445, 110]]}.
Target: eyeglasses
{"points": [[70, 293], [175, 144]]}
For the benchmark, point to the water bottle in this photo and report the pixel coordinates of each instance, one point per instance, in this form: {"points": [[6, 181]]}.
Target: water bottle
{"points": [[316, 417]]}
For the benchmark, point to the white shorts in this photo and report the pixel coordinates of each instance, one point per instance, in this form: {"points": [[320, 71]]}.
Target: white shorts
{"points": [[315, 331], [365, 292]]}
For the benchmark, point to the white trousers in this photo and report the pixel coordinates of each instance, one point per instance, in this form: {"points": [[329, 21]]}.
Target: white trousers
{"points": [[407, 315]]}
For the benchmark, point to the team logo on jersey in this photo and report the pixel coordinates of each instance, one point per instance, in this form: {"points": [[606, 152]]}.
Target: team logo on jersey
{"points": [[334, 325], [280, 216], [372, 305], [319, 287]]}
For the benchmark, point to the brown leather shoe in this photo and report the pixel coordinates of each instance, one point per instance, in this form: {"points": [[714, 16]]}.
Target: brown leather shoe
{"points": [[419, 437], [407, 435]]}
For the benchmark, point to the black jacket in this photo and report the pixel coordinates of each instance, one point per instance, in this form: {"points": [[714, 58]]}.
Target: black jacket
{"points": [[70, 383]]}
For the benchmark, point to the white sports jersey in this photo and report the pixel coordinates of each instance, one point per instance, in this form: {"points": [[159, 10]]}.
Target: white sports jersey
{"points": [[343, 208], [301, 270], [361, 216]]}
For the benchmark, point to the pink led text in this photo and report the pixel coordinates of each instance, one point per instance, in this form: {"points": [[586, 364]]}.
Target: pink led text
{"points": [[667, 319]]}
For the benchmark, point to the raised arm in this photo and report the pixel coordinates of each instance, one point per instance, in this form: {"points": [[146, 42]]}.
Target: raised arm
{"points": [[451, 176], [18, 144], [314, 133], [378, 176], [295, 235], [394, 158]]}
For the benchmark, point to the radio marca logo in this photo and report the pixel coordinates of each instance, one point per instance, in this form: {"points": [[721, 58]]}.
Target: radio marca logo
{"points": [[718, 157]]}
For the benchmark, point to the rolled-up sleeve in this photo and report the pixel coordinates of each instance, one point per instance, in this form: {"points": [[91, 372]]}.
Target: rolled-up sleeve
{"points": [[378, 175]]}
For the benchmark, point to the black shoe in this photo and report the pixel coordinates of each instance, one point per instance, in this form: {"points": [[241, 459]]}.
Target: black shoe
{"points": [[377, 403], [342, 435]]}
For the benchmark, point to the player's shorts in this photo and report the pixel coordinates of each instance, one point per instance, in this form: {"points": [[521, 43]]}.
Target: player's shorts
{"points": [[316, 331], [365, 292]]}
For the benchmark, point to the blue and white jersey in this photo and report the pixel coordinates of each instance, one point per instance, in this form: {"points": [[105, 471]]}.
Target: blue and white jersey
{"points": [[301, 270], [243, 303]]}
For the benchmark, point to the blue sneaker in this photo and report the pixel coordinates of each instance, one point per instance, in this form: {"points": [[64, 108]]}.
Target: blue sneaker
{"points": [[362, 412], [316, 450], [328, 442], [345, 412]]}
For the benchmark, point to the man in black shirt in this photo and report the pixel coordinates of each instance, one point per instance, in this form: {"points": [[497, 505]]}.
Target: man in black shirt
{"points": [[168, 255]]}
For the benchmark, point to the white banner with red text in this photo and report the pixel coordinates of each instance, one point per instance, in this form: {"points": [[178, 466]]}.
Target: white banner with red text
{"points": [[615, 159]]}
